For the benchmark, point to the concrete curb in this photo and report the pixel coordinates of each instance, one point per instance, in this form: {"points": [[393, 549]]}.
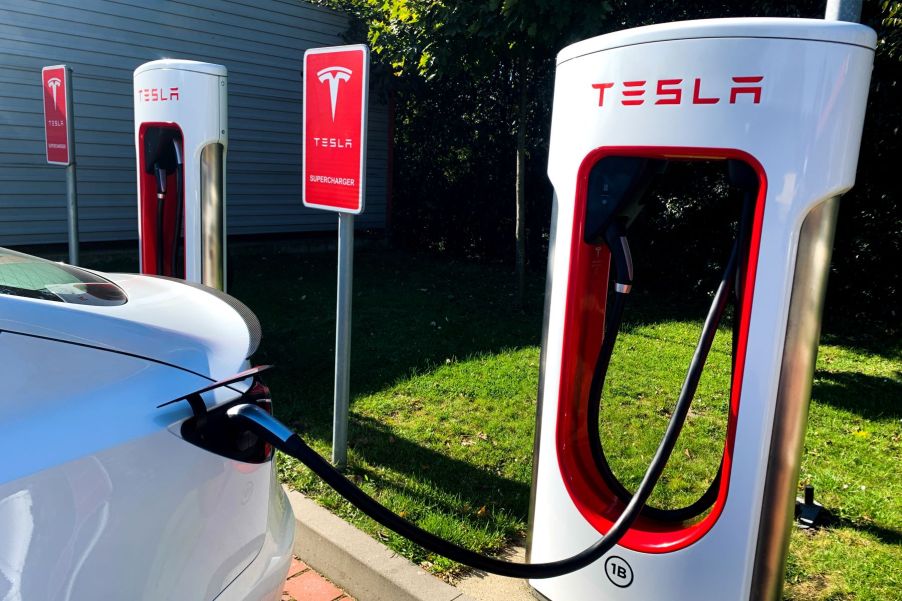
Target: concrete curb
{"points": [[365, 568]]}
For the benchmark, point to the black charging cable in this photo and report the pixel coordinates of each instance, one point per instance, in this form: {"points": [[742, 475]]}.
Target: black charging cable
{"points": [[621, 259], [257, 420], [160, 175], [690, 385], [284, 439]]}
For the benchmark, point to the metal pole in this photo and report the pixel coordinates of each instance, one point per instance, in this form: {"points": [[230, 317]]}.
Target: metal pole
{"points": [[71, 182], [843, 10], [72, 207], [343, 339]]}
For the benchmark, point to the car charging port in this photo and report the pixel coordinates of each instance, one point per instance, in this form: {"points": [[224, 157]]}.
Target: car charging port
{"points": [[213, 431]]}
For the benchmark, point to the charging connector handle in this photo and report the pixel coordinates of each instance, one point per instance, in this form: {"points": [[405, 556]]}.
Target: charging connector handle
{"points": [[621, 257], [160, 175]]}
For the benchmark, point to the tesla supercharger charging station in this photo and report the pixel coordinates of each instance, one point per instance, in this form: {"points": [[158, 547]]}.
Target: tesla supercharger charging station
{"points": [[780, 103], [181, 138]]}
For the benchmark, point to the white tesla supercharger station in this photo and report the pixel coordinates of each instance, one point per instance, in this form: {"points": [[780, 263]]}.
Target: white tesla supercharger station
{"points": [[181, 138], [781, 102]]}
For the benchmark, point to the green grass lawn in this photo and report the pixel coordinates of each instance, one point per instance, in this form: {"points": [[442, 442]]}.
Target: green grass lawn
{"points": [[444, 380]]}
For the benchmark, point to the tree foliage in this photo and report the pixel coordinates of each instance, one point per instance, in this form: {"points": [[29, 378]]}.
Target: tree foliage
{"points": [[891, 43], [458, 68], [434, 39]]}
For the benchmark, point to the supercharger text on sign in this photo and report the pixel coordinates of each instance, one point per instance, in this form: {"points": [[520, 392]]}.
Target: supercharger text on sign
{"points": [[335, 99]]}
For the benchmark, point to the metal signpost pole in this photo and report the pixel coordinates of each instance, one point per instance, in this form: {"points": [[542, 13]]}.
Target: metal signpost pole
{"points": [[59, 137], [336, 81], [343, 338], [71, 183]]}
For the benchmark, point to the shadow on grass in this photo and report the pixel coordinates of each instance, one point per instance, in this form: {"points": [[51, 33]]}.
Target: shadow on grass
{"points": [[877, 336], [888, 536], [646, 307], [475, 486], [871, 397], [880, 345], [410, 313]]}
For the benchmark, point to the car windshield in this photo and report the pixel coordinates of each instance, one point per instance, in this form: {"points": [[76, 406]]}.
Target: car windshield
{"points": [[31, 277]]}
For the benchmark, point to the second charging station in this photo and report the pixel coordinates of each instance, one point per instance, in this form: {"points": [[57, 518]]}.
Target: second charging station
{"points": [[181, 141]]}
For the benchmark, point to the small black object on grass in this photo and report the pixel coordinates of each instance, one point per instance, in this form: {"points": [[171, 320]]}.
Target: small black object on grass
{"points": [[809, 513]]}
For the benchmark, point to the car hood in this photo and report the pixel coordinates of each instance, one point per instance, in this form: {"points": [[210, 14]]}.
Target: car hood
{"points": [[189, 326]]}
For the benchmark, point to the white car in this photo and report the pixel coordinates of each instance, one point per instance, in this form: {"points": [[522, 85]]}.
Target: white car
{"points": [[106, 491]]}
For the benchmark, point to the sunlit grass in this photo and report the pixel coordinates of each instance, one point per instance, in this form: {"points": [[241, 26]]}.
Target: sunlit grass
{"points": [[444, 380]]}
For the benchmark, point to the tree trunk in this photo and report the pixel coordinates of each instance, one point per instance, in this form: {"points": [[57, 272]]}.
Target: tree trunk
{"points": [[520, 226]]}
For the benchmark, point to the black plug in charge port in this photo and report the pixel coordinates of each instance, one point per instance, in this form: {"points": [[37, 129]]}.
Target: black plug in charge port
{"points": [[216, 433]]}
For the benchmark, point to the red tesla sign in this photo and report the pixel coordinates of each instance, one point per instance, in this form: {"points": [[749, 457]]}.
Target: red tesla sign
{"points": [[335, 103], [56, 115]]}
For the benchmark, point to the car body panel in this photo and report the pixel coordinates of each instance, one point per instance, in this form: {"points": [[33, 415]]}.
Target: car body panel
{"points": [[264, 578], [100, 497], [163, 320]]}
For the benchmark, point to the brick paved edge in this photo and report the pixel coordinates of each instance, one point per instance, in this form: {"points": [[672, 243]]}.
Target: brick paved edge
{"points": [[362, 566]]}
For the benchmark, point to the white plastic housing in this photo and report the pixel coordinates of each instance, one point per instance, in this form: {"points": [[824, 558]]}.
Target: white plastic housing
{"points": [[192, 96], [803, 127]]}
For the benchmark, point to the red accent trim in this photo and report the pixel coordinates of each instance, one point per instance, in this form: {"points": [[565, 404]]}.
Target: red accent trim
{"points": [[147, 208], [583, 323]]}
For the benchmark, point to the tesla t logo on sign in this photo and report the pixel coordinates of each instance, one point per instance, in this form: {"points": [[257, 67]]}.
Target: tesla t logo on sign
{"points": [[56, 115], [334, 75], [335, 99]]}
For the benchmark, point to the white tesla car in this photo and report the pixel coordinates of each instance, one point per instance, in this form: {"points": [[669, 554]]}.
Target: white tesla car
{"points": [[108, 490]]}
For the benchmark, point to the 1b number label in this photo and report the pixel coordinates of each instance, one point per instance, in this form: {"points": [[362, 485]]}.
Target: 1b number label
{"points": [[618, 571]]}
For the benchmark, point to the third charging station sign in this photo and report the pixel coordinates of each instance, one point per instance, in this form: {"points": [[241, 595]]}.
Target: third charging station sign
{"points": [[335, 110], [56, 115]]}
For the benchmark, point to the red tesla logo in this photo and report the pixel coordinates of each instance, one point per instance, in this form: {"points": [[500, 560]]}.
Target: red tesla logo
{"points": [[671, 91]]}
